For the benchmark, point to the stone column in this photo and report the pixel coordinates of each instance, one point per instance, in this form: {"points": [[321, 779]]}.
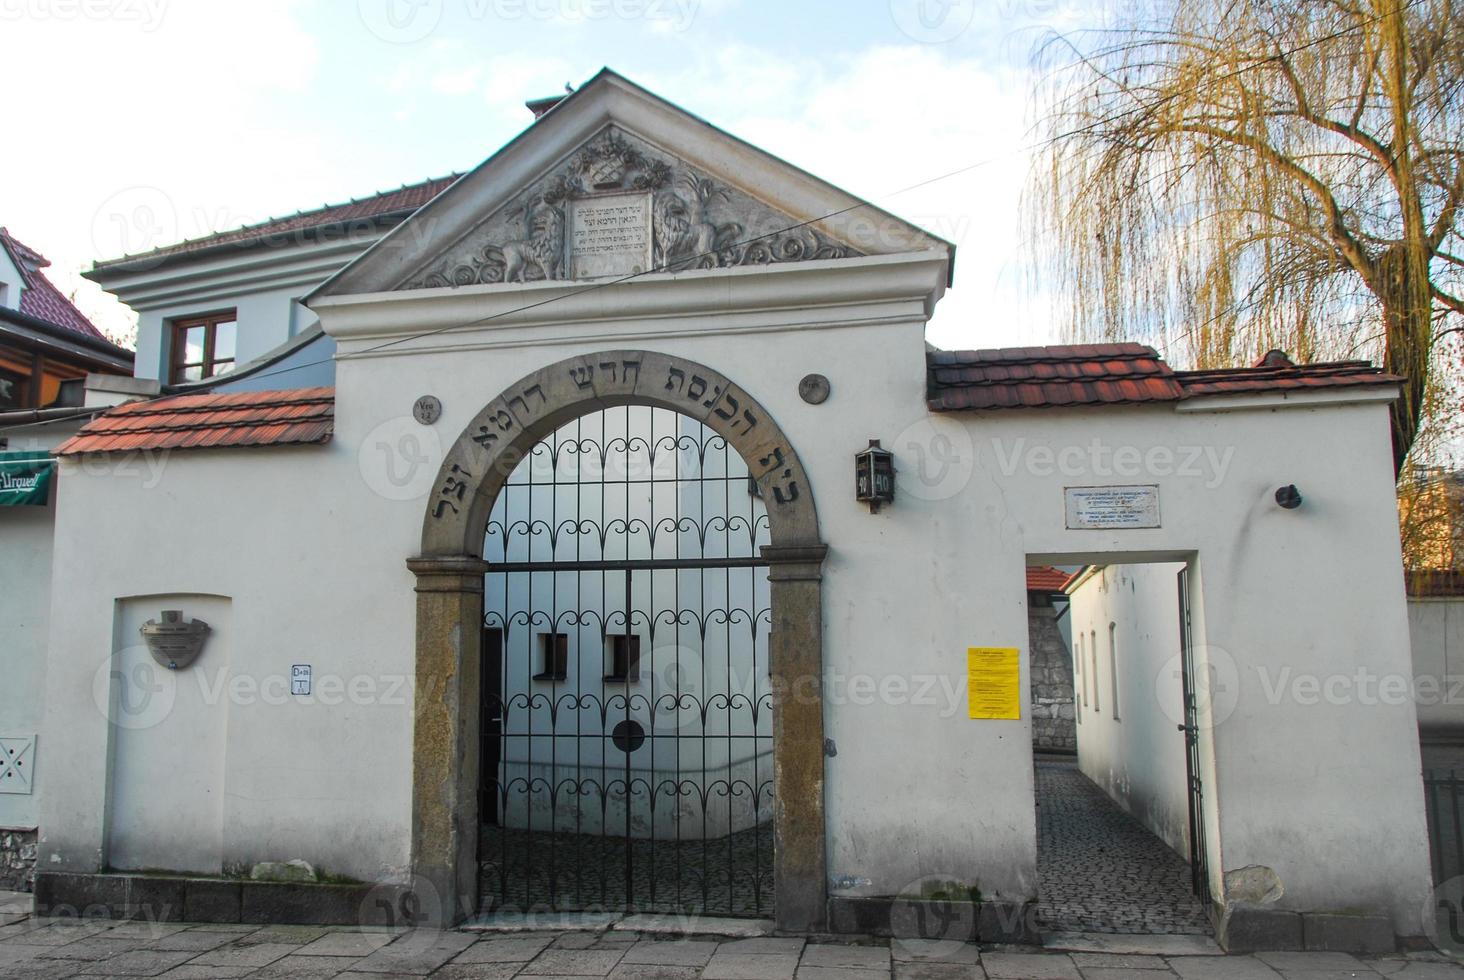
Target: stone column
{"points": [[800, 861], [445, 743]]}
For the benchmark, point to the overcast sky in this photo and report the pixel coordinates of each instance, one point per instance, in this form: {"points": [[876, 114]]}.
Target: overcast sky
{"points": [[140, 122]]}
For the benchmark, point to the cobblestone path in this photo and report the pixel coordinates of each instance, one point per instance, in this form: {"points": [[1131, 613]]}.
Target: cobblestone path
{"points": [[1099, 869]]}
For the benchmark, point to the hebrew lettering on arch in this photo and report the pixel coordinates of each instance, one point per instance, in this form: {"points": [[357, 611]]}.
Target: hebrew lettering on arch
{"points": [[630, 372], [697, 388], [729, 408], [609, 368], [582, 376], [675, 380]]}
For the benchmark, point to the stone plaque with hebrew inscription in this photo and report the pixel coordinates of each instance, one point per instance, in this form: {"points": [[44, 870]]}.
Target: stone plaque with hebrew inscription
{"points": [[609, 235]]}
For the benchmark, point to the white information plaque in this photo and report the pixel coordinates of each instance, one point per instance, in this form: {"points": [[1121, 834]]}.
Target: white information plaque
{"points": [[1112, 507]]}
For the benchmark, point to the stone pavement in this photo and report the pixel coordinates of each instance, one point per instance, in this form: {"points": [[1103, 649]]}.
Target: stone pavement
{"points": [[43, 949], [1099, 869]]}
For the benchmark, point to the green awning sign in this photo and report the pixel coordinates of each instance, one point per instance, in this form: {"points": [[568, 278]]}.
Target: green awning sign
{"points": [[25, 479]]}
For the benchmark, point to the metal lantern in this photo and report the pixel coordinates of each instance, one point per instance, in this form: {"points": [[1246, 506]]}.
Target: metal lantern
{"points": [[874, 476]]}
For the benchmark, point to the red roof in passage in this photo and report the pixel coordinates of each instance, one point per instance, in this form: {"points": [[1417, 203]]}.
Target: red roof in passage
{"points": [[244, 418], [40, 298], [404, 200], [1045, 578], [1113, 374]]}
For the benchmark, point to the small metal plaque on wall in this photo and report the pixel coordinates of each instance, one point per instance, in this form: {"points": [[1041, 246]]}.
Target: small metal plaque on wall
{"points": [[300, 679]]}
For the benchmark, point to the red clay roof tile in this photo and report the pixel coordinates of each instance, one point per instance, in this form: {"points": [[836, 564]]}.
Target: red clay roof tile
{"points": [[245, 418], [403, 200], [1112, 374]]}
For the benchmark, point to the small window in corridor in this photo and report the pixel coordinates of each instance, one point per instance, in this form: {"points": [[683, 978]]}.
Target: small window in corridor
{"points": [[1093, 665], [1078, 660], [1113, 666], [554, 648], [624, 659]]}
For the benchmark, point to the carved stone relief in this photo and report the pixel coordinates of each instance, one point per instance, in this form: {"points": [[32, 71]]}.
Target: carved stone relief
{"points": [[588, 219]]}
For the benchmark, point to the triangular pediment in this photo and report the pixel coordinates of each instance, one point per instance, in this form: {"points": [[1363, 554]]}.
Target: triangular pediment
{"points": [[613, 182]]}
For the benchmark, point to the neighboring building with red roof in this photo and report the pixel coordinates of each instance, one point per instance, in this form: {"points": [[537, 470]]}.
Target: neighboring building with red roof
{"points": [[47, 345], [225, 308]]}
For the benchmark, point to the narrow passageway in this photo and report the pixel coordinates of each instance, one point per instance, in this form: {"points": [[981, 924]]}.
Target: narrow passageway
{"points": [[1100, 870]]}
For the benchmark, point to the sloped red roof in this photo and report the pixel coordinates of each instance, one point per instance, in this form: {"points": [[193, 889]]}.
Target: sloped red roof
{"points": [[1045, 578], [1229, 381], [404, 200], [1112, 374], [1032, 377], [40, 298], [244, 418]]}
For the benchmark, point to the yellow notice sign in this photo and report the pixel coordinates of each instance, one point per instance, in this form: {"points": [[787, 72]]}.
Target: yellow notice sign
{"points": [[993, 682]]}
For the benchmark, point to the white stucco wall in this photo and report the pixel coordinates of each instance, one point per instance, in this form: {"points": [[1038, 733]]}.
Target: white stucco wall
{"points": [[313, 555], [11, 282], [25, 612], [1436, 633], [1134, 750]]}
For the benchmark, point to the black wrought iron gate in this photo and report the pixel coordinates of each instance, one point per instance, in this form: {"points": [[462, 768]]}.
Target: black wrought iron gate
{"points": [[1193, 690], [627, 730]]}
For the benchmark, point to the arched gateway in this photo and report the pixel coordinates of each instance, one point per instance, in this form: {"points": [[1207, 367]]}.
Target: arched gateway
{"points": [[450, 576]]}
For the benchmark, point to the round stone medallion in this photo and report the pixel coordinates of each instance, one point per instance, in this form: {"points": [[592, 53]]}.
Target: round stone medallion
{"points": [[427, 409], [814, 389]]}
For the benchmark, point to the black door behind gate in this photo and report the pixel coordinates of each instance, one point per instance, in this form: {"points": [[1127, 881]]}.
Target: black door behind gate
{"points": [[627, 733], [1199, 873]]}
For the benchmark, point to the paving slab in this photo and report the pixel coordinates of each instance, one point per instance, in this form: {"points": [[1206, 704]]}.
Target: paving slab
{"points": [[505, 949], [416, 953], [839, 973], [16, 903], [477, 971], [1029, 966], [1419, 970], [297, 967], [642, 971], [188, 971], [671, 952], [1222, 968], [846, 957], [345, 944], [921, 970], [254, 955], [751, 966], [934, 951], [141, 963], [1123, 973], [573, 962]]}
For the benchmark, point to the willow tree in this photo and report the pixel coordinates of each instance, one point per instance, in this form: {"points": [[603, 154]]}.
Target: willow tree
{"points": [[1236, 175]]}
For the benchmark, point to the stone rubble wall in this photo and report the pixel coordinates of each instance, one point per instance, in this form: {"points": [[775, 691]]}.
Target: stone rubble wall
{"points": [[17, 860], [1053, 727]]}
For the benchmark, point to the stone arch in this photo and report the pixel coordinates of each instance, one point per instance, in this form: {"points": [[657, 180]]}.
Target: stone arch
{"points": [[450, 568]]}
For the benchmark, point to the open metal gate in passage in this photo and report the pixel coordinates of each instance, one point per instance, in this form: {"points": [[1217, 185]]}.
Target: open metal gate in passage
{"points": [[1193, 689], [626, 705]]}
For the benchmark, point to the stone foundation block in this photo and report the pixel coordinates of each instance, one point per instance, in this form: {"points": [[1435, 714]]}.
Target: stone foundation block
{"points": [[1348, 933]]}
